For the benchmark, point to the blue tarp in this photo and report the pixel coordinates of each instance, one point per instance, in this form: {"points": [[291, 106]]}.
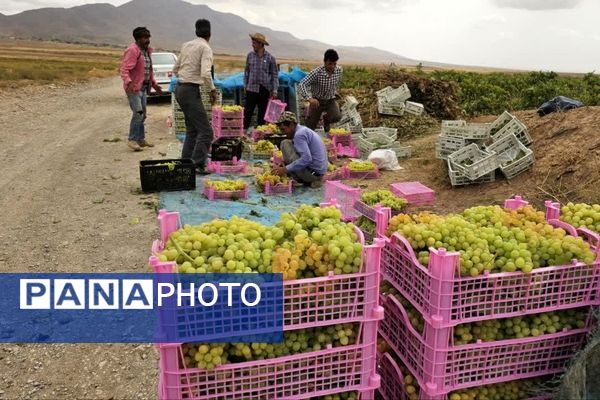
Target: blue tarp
{"points": [[559, 103], [236, 81], [194, 208]]}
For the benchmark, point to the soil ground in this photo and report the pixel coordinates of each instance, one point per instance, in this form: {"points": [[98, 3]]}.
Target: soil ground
{"points": [[71, 201]]}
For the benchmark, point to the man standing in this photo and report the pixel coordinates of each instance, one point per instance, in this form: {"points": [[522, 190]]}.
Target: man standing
{"points": [[260, 79], [304, 153], [193, 69], [320, 87], [137, 75]]}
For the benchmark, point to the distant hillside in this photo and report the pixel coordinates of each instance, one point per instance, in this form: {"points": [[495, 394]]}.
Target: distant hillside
{"points": [[171, 23]]}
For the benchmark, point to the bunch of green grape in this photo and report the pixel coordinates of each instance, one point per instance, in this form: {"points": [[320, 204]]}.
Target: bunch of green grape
{"points": [[226, 185], [582, 215], [499, 329], [385, 198], [492, 239], [366, 225], [262, 179], [264, 146], [338, 396], [361, 166], [210, 355]]}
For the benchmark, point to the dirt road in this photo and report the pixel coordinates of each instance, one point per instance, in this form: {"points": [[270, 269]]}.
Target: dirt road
{"points": [[70, 203]]}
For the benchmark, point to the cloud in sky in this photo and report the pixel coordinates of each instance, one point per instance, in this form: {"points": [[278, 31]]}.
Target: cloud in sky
{"points": [[538, 5]]}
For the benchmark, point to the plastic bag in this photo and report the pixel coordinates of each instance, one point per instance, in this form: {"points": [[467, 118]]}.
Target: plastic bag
{"points": [[385, 159]]}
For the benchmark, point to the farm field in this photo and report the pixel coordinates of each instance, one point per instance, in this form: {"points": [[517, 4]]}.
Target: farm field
{"points": [[72, 201]]}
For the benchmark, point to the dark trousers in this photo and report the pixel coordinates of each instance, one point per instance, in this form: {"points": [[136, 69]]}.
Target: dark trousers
{"points": [[289, 156], [199, 134], [325, 106], [253, 99]]}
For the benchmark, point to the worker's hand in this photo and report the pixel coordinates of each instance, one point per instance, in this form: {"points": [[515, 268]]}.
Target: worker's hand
{"points": [[214, 96], [273, 95], [129, 88], [281, 171], [158, 89], [314, 102]]}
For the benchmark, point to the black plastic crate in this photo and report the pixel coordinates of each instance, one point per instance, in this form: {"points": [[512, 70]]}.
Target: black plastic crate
{"points": [[225, 149], [276, 140], [156, 176]]}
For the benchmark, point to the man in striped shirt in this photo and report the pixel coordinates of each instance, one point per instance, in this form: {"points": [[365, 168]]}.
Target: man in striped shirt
{"points": [[320, 87], [260, 79]]}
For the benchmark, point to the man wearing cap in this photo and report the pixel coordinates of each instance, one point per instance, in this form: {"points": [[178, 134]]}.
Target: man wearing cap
{"points": [[320, 87], [304, 153], [260, 79], [137, 75], [193, 69]]}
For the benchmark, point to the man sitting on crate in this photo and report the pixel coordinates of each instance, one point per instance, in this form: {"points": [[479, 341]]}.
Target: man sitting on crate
{"points": [[304, 153], [320, 87]]}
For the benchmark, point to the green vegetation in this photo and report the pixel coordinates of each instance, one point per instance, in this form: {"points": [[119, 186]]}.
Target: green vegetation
{"points": [[487, 93]]}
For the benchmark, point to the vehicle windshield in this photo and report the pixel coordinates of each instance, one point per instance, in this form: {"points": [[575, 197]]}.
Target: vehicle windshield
{"points": [[163, 58]]}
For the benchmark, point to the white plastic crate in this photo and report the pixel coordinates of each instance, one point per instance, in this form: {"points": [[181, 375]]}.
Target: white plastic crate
{"points": [[396, 109], [499, 123], [380, 131], [414, 108], [453, 123], [351, 117], [402, 151], [513, 155], [473, 162], [517, 128], [472, 131], [391, 95], [458, 179], [448, 144], [350, 104]]}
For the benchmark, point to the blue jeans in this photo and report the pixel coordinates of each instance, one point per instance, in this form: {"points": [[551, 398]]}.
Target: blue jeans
{"points": [[137, 102]]}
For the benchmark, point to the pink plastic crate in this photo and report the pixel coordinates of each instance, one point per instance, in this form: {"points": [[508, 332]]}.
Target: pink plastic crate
{"points": [[373, 174], [335, 175], [227, 167], [212, 194], [230, 132], [392, 382], [392, 378], [415, 193], [276, 159], [219, 113], [344, 140], [308, 303], [441, 367], [445, 298], [301, 376], [274, 109], [348, 151], [344, 196], [279, 188]]}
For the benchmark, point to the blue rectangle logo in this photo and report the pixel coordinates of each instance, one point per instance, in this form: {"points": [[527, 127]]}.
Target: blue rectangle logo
{"points": [[141, 308]]}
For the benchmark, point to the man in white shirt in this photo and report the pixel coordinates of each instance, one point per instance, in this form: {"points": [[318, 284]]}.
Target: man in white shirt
{"points": [[193, 69]]}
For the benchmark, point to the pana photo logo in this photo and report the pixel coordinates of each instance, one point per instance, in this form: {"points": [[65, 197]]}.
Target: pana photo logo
{"points": [[129, 294]]}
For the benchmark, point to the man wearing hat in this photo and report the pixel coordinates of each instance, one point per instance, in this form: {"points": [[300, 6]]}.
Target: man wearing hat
{"points": [[260, 79], [137, 75], [304, 153]]}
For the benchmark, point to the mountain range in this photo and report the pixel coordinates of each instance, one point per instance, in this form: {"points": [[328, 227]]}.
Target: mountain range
{"points": [[171, 23]]}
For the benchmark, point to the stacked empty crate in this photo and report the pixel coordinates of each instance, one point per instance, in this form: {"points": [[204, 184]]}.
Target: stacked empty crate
{"points": [[373, 139], [472, 159], [308, 303], [392, 101], [177, 113], [445, 299]]}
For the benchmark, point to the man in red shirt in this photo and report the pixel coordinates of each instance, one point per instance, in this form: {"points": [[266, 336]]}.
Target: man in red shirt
{"points": [[137, 75]]}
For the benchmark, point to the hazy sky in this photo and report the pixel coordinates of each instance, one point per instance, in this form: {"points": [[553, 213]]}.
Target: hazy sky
{"points": [[559, 35]]}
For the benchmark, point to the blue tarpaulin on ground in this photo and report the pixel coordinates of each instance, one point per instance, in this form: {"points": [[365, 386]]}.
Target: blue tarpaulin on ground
{"points": [[236, 81], [194, 208]]}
